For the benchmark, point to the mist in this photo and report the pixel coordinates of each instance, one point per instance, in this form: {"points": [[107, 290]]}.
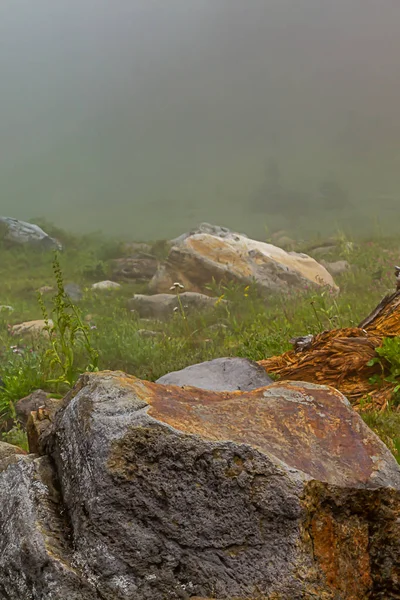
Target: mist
{"points": [[142, 118]]}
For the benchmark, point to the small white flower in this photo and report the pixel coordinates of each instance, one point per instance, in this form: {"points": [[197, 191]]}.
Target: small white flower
{"points": [[177, 286], [176, 308]]}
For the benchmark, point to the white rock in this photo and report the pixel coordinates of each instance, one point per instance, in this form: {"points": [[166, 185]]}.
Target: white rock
{"points": [[106, 285]]}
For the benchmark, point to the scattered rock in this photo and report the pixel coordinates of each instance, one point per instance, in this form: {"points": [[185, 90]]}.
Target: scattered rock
{"points": [[321, 251], [220, 375], [134, 269], [74, 292], [25, 406], [202, 258], [106, 285], [19, 232], [162, 306], [282, 489], [336, 268], [37, 327]]}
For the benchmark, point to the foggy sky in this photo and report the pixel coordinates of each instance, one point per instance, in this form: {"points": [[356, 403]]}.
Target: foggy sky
{"points": [[144, 117]]}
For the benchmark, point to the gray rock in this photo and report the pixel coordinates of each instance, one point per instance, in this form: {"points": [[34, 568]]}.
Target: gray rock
{"points": [[19, 232], [163, 306], [25, 406], [73, 291], [216, 230], [134, 269], [336, 268], [9, 455], [220, 374], [36, 554]]}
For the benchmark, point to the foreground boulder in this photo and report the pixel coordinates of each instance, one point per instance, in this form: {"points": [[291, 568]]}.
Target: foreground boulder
{"points": [[220, 375], [163, 306], [19, 232], [277, 493], [199, 259]]}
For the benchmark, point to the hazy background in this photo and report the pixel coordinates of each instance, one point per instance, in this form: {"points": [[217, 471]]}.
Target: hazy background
{"points": [[145, 117]]}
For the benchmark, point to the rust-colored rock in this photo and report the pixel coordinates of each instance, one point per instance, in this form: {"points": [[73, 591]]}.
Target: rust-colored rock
{"points": [[277, 493], [38, 421]]}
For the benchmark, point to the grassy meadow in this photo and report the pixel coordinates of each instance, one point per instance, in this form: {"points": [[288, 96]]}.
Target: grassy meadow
{"points": [[102, 333]]}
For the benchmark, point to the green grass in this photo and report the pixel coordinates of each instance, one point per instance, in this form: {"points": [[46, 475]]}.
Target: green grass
{"points": [[249, 326]]}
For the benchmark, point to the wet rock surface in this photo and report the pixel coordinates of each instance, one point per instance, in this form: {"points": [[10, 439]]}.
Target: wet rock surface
{"points": [[151, 491]]}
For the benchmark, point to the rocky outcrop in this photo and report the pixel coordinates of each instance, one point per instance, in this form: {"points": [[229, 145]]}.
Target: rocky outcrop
{"points": [[164, 306], [199, 259], [162, 493], [220, 375], [19, 232], [140, 269]]}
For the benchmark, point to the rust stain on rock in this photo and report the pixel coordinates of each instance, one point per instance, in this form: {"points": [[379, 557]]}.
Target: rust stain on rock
{"points": [[308, 427]]}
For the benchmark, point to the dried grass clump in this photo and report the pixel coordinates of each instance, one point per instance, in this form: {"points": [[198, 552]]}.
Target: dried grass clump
{"points": [[340, 357]]}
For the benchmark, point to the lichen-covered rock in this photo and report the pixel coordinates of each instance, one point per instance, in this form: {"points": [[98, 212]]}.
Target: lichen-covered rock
{"points": [[201, 258], [220, 375], [277, 493]]}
